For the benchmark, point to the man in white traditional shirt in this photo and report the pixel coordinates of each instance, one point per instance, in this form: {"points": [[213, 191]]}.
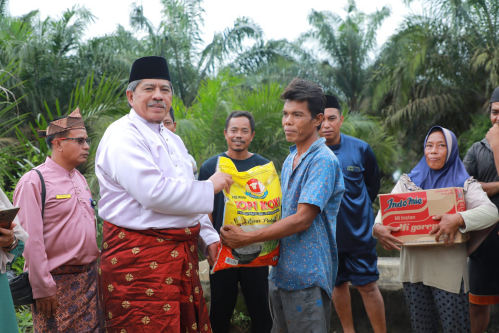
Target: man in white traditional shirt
{"points": [[154, 214]]}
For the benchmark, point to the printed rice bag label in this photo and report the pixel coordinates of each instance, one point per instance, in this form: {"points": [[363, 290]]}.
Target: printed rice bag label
{"points": [[413, 212], [254, 202]]}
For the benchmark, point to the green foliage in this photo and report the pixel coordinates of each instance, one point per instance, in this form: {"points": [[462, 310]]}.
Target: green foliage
{"points": [[11, 118], [241, 320], [24, 319], [266, 106], [100, 104], [46, 53], [438, 69], [479, 127], [201, 126], [178, 39], [18, 265], [370, 130], [30, 149], [347, 44], [435, 69]]}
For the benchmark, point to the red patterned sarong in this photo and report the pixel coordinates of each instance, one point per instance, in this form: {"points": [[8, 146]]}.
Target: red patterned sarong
{"points": [[78, 309], [150, 281]]}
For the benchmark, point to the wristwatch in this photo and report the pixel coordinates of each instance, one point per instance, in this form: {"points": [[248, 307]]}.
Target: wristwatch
{"points": [[13, 245]]}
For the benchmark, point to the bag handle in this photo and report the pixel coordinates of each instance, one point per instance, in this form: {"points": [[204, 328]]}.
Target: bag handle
{"points": [[43, 190]]}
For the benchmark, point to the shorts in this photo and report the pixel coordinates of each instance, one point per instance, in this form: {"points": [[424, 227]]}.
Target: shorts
{"points": [[300, 311], [483, 268], [358, 268]]}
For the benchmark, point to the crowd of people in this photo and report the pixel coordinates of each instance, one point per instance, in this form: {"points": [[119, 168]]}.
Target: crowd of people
{"points": [[158, 214]]}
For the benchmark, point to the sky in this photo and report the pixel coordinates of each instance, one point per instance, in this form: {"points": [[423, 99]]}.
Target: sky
{"points": [[278, 19]]}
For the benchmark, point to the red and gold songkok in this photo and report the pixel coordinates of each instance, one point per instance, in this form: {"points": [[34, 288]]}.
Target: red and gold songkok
{"points": [[73, 121]]}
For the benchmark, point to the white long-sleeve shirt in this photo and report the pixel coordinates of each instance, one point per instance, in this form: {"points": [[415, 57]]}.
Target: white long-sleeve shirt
{"points": [[146, 179]]}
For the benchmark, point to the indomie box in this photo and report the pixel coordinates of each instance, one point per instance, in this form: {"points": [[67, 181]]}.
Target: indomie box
{"points": [[413, 212]]}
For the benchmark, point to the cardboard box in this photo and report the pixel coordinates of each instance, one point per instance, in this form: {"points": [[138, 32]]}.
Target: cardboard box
{"points": [[413, 212]]}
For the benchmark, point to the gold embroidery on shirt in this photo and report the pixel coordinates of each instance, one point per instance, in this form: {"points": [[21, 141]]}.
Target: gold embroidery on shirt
{"points": [[110, 288], [110, 315], [196, 290], [146, 320], [125, 304], [169, 280], [191, 298], [195, 326], [160, 240], [129, 277], [149, 292], [187, 231], [190, 265], [135, 250], [123, 330], [174, 254], [105, 245], [153, 265], [192, 248], [121, 235], [188, 273], [167, 307], [206, 327], [114, 260]]}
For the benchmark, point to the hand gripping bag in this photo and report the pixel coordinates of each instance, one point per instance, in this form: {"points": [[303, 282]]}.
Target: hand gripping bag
{"points": [[254, 202]]}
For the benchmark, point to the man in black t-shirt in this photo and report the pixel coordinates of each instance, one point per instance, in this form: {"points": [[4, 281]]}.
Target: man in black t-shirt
{"points": [[239, 132], [483, 263]]}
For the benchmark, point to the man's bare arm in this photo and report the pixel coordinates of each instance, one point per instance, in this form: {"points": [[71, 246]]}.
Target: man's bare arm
{"points": [[234, 237], [491, 188]]}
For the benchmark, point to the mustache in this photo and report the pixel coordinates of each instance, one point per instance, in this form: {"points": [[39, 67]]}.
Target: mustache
{"points": [[238, 141], [160, 103]]}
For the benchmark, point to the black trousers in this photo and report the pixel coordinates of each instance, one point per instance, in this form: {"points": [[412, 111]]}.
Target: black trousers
{"points": [[255, 289]]}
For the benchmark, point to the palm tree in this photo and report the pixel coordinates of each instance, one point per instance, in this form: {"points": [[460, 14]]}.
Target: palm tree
{"points": [[346, 45], [45, 50], [11, 117], [179, 40], [201, 125], [438, 69]]}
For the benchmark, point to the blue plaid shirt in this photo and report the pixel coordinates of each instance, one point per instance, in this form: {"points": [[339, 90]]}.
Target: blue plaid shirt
{"points": [[309, 258]]}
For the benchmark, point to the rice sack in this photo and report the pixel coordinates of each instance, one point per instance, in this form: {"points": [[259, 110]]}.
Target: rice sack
{"points": [[254, 202]]}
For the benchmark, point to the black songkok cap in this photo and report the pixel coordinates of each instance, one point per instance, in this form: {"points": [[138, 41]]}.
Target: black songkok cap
{"points": [[149, 68], [495, 96], [332, 102]]}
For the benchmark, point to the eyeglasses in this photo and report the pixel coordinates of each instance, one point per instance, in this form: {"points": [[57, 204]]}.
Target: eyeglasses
{"points": [[80, 141]]}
